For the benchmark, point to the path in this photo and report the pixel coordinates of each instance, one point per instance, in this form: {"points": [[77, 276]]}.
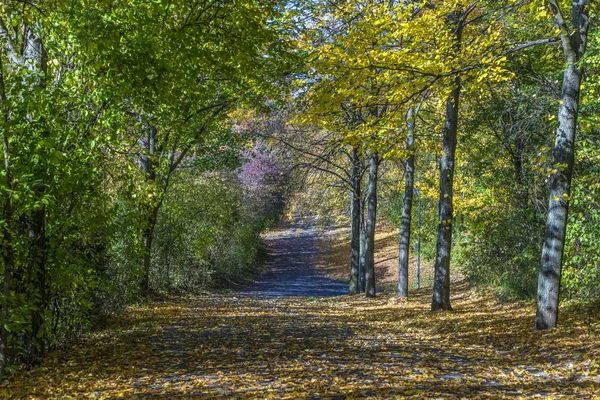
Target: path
{"points": [[258, 345], [289, 271]]}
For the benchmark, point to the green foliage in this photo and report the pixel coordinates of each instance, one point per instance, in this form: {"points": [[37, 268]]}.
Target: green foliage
{"points": [[85, 83], [207, 236], [582, 253], [391, 211]]}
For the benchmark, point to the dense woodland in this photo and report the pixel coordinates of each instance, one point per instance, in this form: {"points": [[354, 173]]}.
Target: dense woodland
{"points": [[148, 143]]}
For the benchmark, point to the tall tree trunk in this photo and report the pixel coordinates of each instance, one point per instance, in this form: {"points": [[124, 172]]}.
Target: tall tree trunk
{"points": [[7, 248], [441, 279], [147, 239], [37, 279], [362, 261], [147, 165], [370, 289], [404, 249], [355, 230], [574, 41]]}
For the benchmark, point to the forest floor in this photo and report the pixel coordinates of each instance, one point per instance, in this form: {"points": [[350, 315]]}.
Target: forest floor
{"points": [[259, 345]]}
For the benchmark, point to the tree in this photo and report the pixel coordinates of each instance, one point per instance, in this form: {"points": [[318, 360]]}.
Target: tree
{"points": [[574, 37], [101, 103], [370, 290], [356, 222], [39, 121], [8, 254], [405, 222]]}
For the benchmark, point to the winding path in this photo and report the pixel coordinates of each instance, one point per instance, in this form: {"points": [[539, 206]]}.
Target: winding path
{"points": [[289, 271]]}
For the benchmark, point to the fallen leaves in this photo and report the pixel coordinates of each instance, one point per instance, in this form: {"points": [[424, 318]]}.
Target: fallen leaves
{"points": [[223, 346]]}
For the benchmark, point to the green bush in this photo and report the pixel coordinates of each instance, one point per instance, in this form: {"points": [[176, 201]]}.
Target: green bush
{"points": [[207, 234]]}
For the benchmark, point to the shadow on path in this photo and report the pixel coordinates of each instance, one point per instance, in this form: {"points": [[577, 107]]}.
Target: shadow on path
{"points": [[289, 271]]}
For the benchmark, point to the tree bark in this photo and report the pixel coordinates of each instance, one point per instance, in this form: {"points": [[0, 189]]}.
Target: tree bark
{"points": [[147, 239], [147, 165], [8, 259], [37, 278], [370, 289], [355, 230], [574, 40], [362, 255], [404, 249], [441, 280]]}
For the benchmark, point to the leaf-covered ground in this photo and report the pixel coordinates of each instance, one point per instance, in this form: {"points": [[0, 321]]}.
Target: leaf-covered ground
{"points": [[223, 346], [321, 347]]}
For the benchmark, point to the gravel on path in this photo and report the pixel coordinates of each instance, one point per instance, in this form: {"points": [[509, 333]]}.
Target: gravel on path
{"points": [[289, 271]]}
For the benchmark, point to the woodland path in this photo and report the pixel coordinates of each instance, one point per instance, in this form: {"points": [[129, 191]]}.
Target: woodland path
{"points": [[289, 271], [257, 344]]}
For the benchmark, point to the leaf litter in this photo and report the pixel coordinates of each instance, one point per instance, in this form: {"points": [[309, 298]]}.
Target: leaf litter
{"points": [[226, 346]]}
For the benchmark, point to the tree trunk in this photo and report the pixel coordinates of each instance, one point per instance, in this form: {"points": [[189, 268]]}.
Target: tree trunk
{"points": [[406, 208], [37, 278], [574, 40], [34, 57], [147, 238], [370, 227], [8, 259], [362, 255], [441, 279], [35, 52], [356, 197], [147, 164]]}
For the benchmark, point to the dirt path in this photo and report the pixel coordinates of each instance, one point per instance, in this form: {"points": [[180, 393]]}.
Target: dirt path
{"points": [[289, 271]]}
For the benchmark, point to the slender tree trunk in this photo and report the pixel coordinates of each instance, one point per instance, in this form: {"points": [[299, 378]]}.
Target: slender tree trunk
{"points": [[418, 283], [355, 242], [370, 289], [441, 280], [37, 278], [574, 40], [519, 151], [147, 165], [7, 248], [404, 250], [362, 255], [147, 239]]}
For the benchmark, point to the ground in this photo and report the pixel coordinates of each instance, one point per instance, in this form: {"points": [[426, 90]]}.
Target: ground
{"points": [[290, 268], [257, 344]]}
